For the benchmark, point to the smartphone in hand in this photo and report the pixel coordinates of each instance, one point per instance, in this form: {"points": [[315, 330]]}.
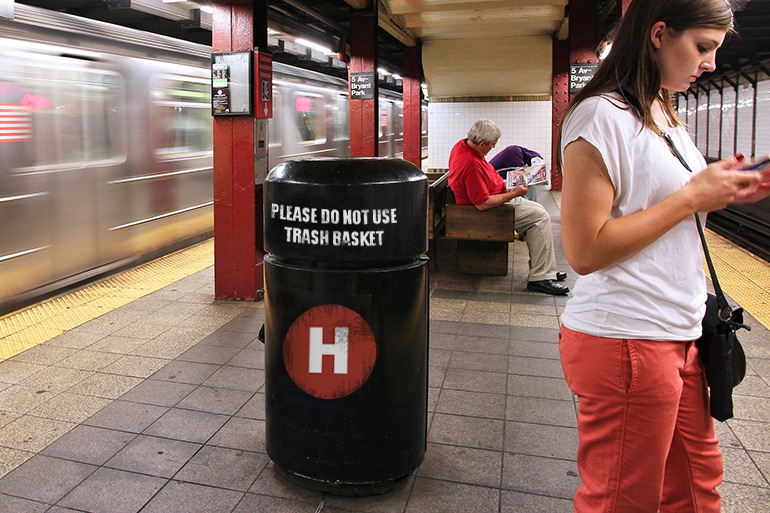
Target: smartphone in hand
{"points": [[763, 164]]}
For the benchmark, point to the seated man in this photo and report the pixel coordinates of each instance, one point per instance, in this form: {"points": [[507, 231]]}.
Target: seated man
{"points": [[515, 156], [473, 180]]}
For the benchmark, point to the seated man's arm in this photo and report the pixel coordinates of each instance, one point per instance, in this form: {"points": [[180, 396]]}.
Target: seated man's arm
{"points": [[495, 200]]}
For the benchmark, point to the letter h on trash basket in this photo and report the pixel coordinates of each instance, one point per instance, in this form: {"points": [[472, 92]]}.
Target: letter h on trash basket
{"points": [[339, 350]]}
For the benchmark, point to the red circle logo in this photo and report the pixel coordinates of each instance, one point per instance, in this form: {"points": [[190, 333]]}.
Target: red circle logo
{"points": [[329, 351]]}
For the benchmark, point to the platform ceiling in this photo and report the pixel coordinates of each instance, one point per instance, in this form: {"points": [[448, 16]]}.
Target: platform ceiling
{"points": [[470, 47]]}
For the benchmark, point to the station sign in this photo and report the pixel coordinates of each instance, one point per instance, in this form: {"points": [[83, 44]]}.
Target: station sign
{"points": [[580, 75], [264, 84], [329, 351], [362, 86]]}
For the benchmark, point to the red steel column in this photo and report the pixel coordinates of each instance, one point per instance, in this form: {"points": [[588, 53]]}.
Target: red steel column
{"points": [[237, 259], [559, 102], [364, 128], [580, 49], [412, 104]]}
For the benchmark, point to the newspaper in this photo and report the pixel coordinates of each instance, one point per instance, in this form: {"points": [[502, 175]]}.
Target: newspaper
{"points": [[527, 176]]}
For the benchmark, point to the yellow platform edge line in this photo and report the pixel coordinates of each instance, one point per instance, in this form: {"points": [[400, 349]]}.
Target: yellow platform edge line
{"points": [[26, 328], [742, 275]]}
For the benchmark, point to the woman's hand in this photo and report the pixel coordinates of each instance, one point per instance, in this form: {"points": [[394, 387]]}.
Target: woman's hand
{"points": [[722, 183]]}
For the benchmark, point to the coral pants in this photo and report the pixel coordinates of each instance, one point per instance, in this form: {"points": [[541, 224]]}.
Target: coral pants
{"points": [[647, 441]]}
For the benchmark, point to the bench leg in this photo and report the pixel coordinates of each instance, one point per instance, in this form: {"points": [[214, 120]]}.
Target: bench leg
{"points": [[482, 257]]}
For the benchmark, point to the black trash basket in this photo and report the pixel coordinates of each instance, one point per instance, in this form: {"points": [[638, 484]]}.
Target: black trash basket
{"points": [[346, 322]]}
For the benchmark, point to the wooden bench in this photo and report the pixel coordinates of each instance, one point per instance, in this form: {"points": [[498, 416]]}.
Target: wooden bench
{"points": [[437, 199], [482, 237]]}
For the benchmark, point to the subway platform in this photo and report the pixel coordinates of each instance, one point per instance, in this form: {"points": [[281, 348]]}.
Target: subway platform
{"points": [[158, 405]]}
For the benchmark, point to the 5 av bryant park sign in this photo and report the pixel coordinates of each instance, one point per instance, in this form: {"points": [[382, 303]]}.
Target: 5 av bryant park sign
{"points": [[580, 75]]}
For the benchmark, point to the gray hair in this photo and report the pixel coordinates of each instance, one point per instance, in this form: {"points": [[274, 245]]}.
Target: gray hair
{"points": [[484, 131]]}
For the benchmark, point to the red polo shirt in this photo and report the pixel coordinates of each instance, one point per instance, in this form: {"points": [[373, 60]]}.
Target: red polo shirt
{"points": [[472, 179]]}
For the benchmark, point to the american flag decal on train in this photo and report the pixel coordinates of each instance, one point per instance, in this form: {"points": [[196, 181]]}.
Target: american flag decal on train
{"points": [[15, 123]]}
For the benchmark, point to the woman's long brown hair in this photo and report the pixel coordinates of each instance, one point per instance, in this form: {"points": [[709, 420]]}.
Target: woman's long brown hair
{"points": [[631, 69]]}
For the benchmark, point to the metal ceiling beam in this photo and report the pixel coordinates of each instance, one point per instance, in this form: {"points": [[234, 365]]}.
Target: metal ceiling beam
{"points": [[170, 11]]}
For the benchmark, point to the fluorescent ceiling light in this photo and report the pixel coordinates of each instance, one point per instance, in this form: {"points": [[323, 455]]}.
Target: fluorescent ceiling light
{"points": [[314, 46], [397, 76], [383, 71], [207, 8]]}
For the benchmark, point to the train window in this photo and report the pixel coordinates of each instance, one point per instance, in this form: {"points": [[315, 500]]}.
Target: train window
{"points": [[181, 114], [275, 130], [398, 120], [309, 116], [340, 113], [68, 114]]}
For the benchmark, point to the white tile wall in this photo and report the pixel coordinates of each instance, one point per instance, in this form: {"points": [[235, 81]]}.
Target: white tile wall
{"points": [[763, 117], [714, 117], [525, 123], [728, 121], [702, 121], [745, 113]]}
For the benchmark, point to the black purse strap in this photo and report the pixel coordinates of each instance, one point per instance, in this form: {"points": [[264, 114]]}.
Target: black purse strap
{"points": [[725, 310]]}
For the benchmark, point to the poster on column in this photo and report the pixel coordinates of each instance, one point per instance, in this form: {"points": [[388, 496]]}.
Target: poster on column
{"points": [[264, 81]]}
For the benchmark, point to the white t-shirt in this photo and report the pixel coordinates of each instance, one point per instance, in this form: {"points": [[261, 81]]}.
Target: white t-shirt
{"points": [[660, 292]]}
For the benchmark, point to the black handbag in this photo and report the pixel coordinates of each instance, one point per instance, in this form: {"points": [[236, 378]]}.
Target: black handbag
{"points": [[718, 347]]}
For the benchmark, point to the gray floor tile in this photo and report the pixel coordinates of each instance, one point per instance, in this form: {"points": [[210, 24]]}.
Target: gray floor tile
{"points": [[432, 496], [392, 502], [533, 349], [481, 344], [737, 498], [186, 372], [540, 411], [187, 425], [436, 376], [159, 393], [475, 404], [480, 362], [177, 497], [224, 468], [741, 468], [16, 505], [241, 433], [535, 367], [753, 435], [477, 432], [237, 378], [208, 354], [154, 456], [113, 491], [272, 482], [542, 476], [518, 502], [534, 334], [249, 358], [536, 386], [462, 464], [126, 416], [475, 381], [252, 502], [254, 408], [88, 444], [224, 401], [45, 479], [229, 339], [476, 330], [539, 440]]}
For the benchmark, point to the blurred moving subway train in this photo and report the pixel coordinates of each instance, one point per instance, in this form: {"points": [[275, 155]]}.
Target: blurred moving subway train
{"points": [[106, 145]]}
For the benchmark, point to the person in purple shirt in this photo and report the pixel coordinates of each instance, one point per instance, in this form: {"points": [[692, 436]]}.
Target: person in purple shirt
{"points": [[515, 156]]}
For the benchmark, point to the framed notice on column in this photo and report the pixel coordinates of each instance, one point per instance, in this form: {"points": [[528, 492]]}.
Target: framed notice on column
{"points": [[232, 83]]}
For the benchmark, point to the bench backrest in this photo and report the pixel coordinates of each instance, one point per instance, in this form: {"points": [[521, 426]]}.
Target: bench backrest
{"points": [[466, 222]]}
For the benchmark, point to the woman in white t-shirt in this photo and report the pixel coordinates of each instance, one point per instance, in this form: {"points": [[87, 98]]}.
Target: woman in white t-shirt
{"points": [[647, 442]]}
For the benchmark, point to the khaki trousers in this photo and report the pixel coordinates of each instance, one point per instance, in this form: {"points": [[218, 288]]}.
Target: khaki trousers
{"points": [[647, 442], [532, 219]]}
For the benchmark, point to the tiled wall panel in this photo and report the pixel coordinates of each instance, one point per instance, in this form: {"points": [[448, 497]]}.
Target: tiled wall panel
{"points": [[763, 116], [524, 123], [745, 114], [714, 118]]}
